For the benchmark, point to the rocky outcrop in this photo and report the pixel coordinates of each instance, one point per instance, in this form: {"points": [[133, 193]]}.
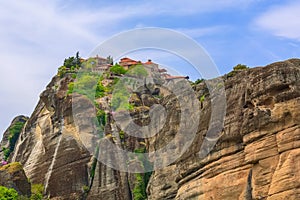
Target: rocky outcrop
{"points": [[256, 157], [54, 153], [13, 176], [49, 147], [5, 144]]}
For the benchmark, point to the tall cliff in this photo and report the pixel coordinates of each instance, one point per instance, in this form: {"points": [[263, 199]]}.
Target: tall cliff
{"points": [[258, 154], [10, 136], [256, 157]]}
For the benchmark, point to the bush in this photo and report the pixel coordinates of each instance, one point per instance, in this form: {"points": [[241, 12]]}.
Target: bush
{"points": [[202, 98], [8, 193], [100, 90], [240, 67], [199, 81], [71, 64], [70, 88], [88, 85], [62, 71], [237, 68], [37, 192], [139, 191], [101, 117], [12, 194], [6, 153], [117, 69]]}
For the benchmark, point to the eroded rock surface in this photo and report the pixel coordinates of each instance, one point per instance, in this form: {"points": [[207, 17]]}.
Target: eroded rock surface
{"points": [[13, 176], [256, 157]]}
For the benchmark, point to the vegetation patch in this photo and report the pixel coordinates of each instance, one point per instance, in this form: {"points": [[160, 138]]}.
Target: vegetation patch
{"points": [[12, 194], [14, 133], [37, 191], [71, 65], [141, 179], [198, 81], [237, 68], [118, 69], [8, 193], [12, 167]]}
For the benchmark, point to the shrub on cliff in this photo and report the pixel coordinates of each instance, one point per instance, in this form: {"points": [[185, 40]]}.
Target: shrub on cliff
{"points": [[71, 64], [8, 193], [237, 68], [117, 69], [14, 133], [240, 67], [37, 192]]}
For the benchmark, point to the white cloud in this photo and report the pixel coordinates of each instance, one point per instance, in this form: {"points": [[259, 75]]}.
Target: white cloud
{"points": [[36, 35], [281, 21]]}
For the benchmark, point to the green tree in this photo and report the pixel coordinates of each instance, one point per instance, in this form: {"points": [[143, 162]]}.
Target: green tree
{"points": [[72, 62], [240, 67], [100, 90], [110, 60], [77, 59], [69, 62], [117, 69], [8, 193], [237, 68], [199, 81]]}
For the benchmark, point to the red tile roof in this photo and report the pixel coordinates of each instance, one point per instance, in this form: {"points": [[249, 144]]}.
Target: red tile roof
{"points": [[128, 62]]}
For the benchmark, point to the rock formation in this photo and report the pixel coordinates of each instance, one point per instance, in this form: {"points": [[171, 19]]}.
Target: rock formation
{"points": [[5, 143], [13, 176], [258, 154], [256, 157]]}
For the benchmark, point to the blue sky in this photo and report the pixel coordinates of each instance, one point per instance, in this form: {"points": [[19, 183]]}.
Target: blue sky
{"points": [[36, 35]]}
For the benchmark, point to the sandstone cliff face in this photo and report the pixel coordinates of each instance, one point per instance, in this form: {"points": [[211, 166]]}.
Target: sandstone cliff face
{"points": [[53, 153], [49, 148], [257, 156]]}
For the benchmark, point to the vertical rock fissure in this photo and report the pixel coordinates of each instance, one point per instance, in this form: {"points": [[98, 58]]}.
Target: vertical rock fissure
{"points": [[93, 168], [248, 195], [49, 172], [128, 187]]}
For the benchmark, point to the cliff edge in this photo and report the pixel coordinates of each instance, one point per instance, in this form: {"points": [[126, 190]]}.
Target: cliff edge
{"points": [[256, 157]]}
